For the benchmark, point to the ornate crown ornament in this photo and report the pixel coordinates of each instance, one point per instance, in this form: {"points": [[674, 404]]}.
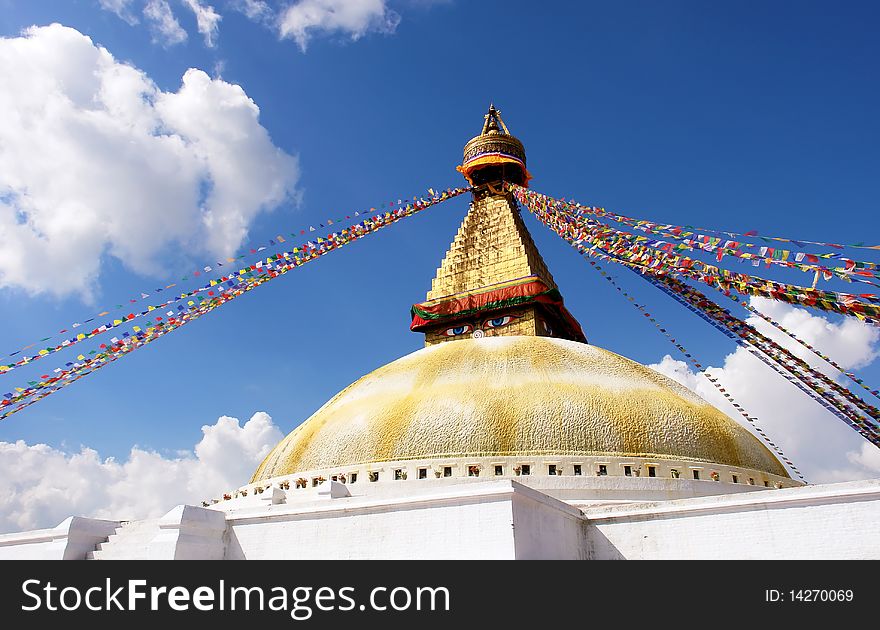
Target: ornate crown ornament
{"points": [[495, 154]]}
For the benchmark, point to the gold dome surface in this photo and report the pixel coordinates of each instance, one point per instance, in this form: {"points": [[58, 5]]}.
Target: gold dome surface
{"points": [[514, 396]]}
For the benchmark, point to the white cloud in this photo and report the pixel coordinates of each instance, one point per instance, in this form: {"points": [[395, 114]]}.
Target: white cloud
{"points": [[257, 10], [96, 160], [40, 486], [166, 30], [867, 457], [121, 8], [207, 20], [299, 20], [822, 447], [850, 343], [354, 18]]}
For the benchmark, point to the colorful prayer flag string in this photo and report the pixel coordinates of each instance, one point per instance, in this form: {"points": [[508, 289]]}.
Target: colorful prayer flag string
{"points": [[658, 262], [228, 288], [852, 271], [687, 231], [121, 320], [203, 270]]}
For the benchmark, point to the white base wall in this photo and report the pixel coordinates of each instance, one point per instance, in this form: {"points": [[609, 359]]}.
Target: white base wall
{"points": [[484, 520], [546, 529], [833, 521], [494, 520]]}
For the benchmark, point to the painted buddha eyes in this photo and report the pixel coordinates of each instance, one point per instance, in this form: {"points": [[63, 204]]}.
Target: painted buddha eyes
{"points": [[463, 329], [497, 322]]}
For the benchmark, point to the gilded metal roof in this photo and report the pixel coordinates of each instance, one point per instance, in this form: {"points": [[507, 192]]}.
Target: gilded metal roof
{"points": [[514, 396]]}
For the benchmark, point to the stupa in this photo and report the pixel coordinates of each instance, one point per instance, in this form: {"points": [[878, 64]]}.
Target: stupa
{"points": [[507, 436], [507, 386]]}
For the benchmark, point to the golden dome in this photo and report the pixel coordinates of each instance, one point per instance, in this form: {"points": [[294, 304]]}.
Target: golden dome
{"points": [[501, 396]]}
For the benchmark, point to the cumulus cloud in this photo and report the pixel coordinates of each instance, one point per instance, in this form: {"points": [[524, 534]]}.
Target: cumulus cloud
{"points": [[96, 160], [353, 18], [867, 457], [821, 446], [207, 20], [40, 486], [166, 30]]}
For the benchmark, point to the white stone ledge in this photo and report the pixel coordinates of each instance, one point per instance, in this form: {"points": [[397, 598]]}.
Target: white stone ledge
{"points": [[847, 492], [470, 493], [32, 537], [69, 540]]}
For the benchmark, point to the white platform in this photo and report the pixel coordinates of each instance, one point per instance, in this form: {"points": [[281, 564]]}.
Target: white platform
{"points": [[482, 519]]}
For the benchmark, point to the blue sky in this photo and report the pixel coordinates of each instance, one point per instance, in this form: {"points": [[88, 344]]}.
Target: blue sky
{"points": [[746, 115]]}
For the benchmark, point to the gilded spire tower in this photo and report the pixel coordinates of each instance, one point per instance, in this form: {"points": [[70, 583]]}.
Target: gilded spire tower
{"points": [[493, 281]]}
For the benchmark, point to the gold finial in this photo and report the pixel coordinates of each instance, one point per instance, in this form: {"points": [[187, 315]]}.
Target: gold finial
{"points": [[492, 120]]}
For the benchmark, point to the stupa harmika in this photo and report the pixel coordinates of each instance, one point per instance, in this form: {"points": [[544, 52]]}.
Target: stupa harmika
{"points": [[507, 436]]}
